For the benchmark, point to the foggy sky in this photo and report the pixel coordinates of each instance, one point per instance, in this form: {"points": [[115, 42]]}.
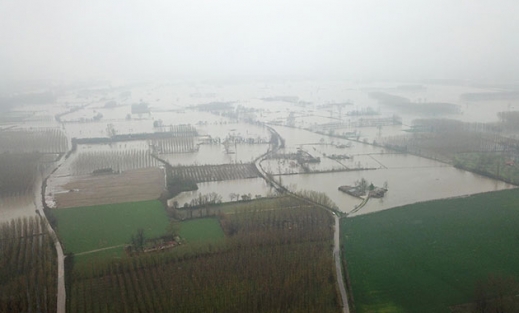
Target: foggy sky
{"points": [[350, 39]]}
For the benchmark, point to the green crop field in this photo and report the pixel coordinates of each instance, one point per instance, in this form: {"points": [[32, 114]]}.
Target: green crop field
{"points": [[201, 230], [90, 228], [428, 256]]}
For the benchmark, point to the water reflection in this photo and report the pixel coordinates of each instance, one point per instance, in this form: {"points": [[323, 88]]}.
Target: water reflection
{"points": [[253, 187], [405, 185]]}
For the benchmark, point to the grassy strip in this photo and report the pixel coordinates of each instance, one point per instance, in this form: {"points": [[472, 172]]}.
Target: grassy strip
{"points": [[428, 256], [108, 254], [90, 228]]}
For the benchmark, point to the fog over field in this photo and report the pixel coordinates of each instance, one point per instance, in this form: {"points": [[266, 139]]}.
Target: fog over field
{"points": [[62, 39], [259, 156]]}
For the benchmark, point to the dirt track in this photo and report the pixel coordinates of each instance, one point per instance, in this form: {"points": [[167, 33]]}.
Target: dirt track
{"points": [[134, 185]]}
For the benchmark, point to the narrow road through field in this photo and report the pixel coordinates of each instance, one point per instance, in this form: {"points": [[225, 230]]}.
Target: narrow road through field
{"points": [[338, 265], [62, 293], [336, 235], [97, 250], [39, 199]]}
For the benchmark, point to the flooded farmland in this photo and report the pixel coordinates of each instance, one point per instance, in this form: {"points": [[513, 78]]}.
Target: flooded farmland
{"points": [[327, 131], [230, 190], [406, 185]]}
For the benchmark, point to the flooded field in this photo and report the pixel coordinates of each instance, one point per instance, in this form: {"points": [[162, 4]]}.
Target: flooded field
{"points": [[213, 154], [16, 206], [230, 121], [129, 186], [406, 185], [219, 172], [228, 190]]}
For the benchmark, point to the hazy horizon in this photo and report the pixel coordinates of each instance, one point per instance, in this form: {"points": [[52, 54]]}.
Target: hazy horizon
{"points": [[212, 39]]}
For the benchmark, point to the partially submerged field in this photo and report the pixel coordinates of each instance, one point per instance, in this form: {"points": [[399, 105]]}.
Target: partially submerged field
{"points": [[86, 229], [129, 186], [429, 256], [272, 259], [207, 173]]}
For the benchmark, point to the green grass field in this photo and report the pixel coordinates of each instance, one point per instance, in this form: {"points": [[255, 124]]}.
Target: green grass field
{"points": [[428, 256], [90, 228], [201, 230]]}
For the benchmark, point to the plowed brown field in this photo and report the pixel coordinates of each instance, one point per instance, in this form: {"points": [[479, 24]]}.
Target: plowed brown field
{"points": [[134, 185]]}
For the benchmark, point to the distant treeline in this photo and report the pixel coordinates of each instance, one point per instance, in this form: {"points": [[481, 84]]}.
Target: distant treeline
{"points": [[44, 140], [215, 106], [411, 88], [8, 102], [184, 131], [406, 105], [509, 120], [442, 139], [290, 99], [486, 96]]}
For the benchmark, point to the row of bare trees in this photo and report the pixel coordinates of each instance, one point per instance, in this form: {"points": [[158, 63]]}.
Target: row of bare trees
{"points": [[204, 173], [45, 140], [28, 267], [443, 139], [116, 161], [18, 173], [175, 145]]}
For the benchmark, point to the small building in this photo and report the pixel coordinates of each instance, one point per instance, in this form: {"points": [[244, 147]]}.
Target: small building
{"points": [[377, 192]]}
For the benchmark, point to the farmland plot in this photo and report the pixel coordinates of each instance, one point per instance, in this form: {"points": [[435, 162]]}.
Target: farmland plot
{"points": [[129, 186], [116, 161], [175, 145], [228, 190], [216, 172], [428, 257], [276, 260], [217, 154]]}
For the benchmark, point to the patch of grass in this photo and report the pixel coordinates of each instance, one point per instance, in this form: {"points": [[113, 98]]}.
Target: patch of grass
{"points": [[201, 230], [428, 256], [90, 228]]}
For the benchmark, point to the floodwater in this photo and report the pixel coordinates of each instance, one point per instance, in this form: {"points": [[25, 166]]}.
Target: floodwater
{"points": [[320, 105], [213, 154], [409, 180], [16, 206], [251, 186]]}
